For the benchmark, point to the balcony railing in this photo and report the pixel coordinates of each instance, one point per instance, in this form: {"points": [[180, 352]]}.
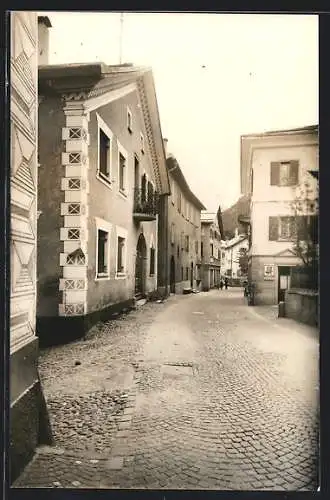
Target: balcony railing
{"points": [[145, 205]]}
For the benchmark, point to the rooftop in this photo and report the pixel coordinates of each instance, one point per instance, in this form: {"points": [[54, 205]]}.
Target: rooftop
{"points": [[175, 171], [292, 131]]}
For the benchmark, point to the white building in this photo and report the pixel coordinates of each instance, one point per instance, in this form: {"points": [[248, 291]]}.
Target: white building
{"points": [[230, 254], [274, 166]]}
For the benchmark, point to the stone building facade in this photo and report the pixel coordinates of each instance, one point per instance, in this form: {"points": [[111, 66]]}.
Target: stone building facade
{"points": [[24, 381], [102, 171], [274, 166], [184, 232], [210, 251]]}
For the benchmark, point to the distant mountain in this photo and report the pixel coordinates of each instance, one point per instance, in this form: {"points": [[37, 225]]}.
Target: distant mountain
{"points": [[230, 216]]}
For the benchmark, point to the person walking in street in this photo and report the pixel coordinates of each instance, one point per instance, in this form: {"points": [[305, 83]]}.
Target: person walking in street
{"points": [[226, 283], [221, 284]]}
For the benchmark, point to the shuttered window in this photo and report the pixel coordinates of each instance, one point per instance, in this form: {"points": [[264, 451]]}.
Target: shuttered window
{"points": [[307, 227], [284, 173], [282, 228]]}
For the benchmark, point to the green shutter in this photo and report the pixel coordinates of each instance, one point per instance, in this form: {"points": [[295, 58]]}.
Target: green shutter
{"points": [[273, 228], [294, 172], [274, 173]]}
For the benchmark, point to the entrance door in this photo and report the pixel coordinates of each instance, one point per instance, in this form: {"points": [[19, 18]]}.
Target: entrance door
{"points": [[192, 275], [172, 275], [283, 281], [141, 254]]}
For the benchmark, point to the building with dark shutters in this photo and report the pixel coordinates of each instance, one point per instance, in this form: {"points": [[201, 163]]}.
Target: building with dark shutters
{"points": [[275, 166], [184, 232]]}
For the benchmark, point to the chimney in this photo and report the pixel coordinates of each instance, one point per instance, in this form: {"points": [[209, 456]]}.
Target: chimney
{"points": [[43, 40], [165, 141]]}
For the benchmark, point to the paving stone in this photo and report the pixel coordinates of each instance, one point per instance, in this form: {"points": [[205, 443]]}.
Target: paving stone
{"points": [[247, 419]]}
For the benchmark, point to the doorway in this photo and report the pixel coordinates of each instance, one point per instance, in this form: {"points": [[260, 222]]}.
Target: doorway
{"points": [[172, 275], [192, 275], [284, 280], [140, 267]]}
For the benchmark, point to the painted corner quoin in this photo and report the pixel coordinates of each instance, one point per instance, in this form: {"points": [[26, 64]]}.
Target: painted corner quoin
{"points": [[74, 209]]}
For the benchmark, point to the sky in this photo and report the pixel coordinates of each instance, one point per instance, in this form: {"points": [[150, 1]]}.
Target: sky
{"points": [[217, 77]]}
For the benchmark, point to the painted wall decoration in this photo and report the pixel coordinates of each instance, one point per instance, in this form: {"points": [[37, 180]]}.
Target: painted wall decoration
{"points": [[23, 181]]}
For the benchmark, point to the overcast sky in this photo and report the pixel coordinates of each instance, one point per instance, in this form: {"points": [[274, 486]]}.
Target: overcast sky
{"points": [[217, 76]]}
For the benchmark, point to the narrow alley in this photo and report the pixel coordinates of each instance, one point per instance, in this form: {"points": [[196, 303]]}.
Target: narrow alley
{"points": [[198, 392]]}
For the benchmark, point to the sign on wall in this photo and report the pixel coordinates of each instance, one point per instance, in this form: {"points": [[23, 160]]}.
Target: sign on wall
{"points": [[269, 272]]}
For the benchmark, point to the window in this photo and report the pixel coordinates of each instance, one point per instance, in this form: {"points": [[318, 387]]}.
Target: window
{"points": [[182, 241], [143, 188], [178, 251], [172, 233], [136, 172], [152, 261], [121, 252], [104, 154], [284, 173], [187, 273], [223, 255], [129, 121], [120, 255], [202, 251], [172, 192], [105, 138], [142, 143], [181, 273], [179, 200], [122, 170], [186, 243], [122, 166], [196, 247], [102, 253], [219, 256], [211, 249], [282, 228]]}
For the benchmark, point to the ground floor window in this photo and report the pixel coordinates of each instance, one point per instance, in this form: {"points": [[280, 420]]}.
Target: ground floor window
{"points": [[102, 253], [120, 255]]}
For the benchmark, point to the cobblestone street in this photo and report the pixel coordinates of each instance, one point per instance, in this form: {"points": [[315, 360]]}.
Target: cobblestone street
{"points": [[199, 392]]}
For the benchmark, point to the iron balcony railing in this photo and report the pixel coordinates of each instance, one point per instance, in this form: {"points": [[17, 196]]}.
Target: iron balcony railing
{"points": [[145, 203]]}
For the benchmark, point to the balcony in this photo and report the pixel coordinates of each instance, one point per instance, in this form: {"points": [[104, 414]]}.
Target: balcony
{"points": [[145, 206]]}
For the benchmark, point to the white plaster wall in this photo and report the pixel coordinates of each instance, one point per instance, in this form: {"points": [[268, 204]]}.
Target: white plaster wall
{"points": [[270, 200]]}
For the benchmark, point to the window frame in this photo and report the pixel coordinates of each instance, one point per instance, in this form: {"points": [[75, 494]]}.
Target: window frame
{"points": [[121, 233], [142, 143], [102, 126], [290, 181], [105, 226], [129, 118], [122, 152]]}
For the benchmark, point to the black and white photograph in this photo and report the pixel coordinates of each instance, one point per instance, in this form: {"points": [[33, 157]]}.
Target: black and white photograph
{"points": [[164, 251]]}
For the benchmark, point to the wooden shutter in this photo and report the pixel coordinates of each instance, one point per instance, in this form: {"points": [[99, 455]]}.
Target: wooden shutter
{"points": [[273, 228], [301, 227], [274, 173], [294, 172]]}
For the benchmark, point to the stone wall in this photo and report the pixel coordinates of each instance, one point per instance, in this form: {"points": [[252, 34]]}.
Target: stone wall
{"points": [[302, 305]]}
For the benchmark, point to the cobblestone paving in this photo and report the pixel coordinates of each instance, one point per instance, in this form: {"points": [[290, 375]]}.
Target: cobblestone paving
{"points": [[200, 392]]}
